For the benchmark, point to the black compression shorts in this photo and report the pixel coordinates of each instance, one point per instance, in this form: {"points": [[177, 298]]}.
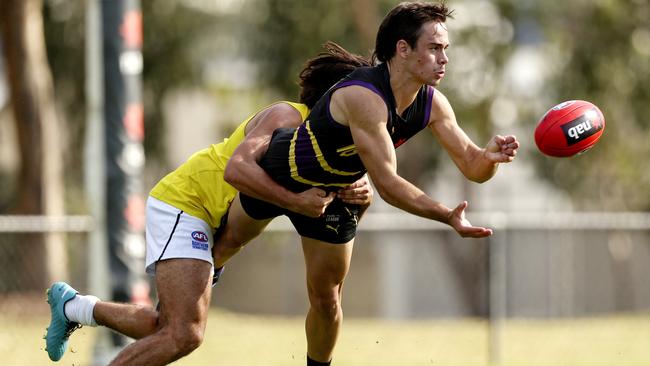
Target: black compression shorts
{"points": [[338, 225]]}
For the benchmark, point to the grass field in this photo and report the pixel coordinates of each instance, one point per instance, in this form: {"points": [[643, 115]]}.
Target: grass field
{"points": [[236, 339]]}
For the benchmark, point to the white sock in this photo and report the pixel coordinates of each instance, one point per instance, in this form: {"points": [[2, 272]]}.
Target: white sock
{"points": [[80, 309]]}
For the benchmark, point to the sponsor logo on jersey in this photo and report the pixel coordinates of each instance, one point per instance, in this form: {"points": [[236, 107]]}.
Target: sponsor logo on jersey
{"points": [[200, 240], [581, 127]]}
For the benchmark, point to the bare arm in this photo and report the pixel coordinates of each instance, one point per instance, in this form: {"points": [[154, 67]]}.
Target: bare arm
{"points": [[245, 174], [476, 164], [365, 113]]}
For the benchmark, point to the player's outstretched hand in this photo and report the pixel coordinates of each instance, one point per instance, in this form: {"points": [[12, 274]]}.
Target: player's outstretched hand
{"points": [[502, 149], [313, 202], [357, 193], [464, 228]]}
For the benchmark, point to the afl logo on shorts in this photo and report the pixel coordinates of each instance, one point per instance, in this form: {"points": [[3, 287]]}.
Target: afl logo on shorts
{"points": [[199, 240]]}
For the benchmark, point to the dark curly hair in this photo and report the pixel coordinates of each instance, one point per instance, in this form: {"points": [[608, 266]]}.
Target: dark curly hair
{"points": [[405, 22], [324, 70]]}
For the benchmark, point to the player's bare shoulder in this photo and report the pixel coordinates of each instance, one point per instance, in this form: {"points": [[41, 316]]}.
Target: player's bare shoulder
{"points": [[277, 115], [285, 114], [357, 104]]}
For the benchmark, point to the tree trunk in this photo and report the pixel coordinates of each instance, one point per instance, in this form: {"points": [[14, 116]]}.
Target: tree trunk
{"points": [[40, 187], [366, 20]]}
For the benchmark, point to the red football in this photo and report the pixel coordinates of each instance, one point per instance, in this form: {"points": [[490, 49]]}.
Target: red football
{"points": [[569, 128]]}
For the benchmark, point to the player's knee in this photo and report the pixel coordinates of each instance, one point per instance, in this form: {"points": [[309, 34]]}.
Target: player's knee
{"points": [[186, 338], [326, 305]]}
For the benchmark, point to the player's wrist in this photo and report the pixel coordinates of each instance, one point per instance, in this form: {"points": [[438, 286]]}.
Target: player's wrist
{"points": [[443, 214], [448, 216], [292, 202], [487, 155]]}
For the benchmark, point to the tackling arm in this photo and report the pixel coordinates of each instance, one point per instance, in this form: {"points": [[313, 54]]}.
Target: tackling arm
{"points": [[245, 174]]}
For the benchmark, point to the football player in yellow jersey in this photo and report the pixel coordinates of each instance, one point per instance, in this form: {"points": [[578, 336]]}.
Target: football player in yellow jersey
{"points": [[183, 212]]}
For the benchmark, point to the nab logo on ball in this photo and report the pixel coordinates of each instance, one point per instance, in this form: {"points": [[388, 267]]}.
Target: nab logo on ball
{"points": [[582, 127], [569, 128], [199, 240]]}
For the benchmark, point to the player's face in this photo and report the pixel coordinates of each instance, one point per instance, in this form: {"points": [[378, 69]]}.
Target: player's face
{"points": [[428, 59]]}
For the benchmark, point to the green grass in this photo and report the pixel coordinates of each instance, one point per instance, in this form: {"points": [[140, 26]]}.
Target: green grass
{"points": [[236, 339]]}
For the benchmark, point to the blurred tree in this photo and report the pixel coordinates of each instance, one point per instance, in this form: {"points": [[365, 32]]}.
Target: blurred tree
{"points": [[172, 59], [63, 24], [40, 182], [274, 25], [32, 101]]}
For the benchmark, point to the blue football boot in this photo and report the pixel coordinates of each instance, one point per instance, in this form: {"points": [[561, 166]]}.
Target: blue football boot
{"points": [[60, 329]]}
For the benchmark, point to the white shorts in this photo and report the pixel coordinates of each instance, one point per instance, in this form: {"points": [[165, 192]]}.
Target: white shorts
{"points": [[172, 233]]}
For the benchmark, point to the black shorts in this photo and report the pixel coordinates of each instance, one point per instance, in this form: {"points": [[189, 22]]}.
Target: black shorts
{"points": [[338, 225]]}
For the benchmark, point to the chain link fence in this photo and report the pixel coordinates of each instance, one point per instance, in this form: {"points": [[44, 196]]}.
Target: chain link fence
{"points": [[36, 250]]}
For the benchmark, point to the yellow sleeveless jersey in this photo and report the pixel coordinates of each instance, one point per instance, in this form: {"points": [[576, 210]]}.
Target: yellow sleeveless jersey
{"points": [[198, 186]]}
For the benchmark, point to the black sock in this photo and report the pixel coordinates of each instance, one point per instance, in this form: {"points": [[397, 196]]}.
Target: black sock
{"points": [[311, 362]]}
